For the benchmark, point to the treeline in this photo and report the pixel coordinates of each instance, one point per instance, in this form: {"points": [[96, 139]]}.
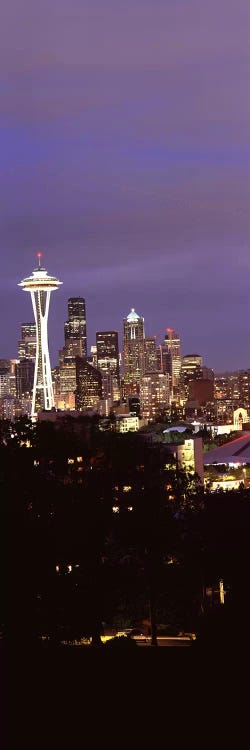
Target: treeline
{"points": [[99, 529]]}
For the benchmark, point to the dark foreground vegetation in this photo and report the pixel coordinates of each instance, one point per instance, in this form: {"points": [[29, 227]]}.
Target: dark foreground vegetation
{"points": [[100, 532]]}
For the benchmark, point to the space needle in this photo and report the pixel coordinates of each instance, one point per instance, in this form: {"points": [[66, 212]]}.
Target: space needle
{"points": [[40, 285]]}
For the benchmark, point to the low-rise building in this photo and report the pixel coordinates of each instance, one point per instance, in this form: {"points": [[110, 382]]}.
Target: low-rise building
{"points": [[189, 455], [127, 423]]}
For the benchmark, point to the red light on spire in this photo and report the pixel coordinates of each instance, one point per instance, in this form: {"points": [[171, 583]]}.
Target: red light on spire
{"points": [[39, 255], [170, 330]]}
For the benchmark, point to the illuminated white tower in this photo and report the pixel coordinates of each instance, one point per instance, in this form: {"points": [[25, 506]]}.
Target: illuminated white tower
{"points": [[40, 285]]}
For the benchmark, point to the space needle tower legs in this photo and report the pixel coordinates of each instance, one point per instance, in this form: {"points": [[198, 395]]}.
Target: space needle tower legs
{"points": [[40, 285]]}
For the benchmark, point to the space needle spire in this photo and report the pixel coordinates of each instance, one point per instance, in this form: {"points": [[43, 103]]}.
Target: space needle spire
{"points": [[40, 285]]}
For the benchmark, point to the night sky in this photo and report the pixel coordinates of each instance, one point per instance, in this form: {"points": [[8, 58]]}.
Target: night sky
{"points": [[125, 160]]}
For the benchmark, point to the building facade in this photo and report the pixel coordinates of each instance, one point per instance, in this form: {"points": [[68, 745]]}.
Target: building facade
{"points": [[25, 377], [154, 394], [189, 456], [127, 423], [151, 361], [27, 343], [173, 342], [4, 382], [191, 369], [75, 329], [164, 359], [107, 357], [201, 390], [88, 385], [133, 350]]}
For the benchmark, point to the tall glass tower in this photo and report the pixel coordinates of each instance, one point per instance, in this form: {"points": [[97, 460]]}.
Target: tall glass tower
{"points": [[75, 328], [133, 347], [40, 285], [173, 342]]}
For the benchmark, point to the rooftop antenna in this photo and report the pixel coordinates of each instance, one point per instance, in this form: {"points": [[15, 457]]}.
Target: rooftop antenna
{"points": [[39, 255]]}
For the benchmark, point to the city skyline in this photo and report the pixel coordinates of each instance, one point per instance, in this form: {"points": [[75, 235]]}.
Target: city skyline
{"points": [[125, 160], [55, 350]]}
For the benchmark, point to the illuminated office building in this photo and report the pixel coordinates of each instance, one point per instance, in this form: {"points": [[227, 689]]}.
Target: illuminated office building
{"points": [[154, 394], [88, 385], [8, 408], [27, 343], [107, 353], [133, 349], [243, 380], [67, 377], [163, 358], [4, 382], [8, 377], [173, 342], [191, 369], [151, 364], [75, 328], [24, 377]]}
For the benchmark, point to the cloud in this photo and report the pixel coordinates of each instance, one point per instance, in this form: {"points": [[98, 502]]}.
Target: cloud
{"points": [[125, 158]]}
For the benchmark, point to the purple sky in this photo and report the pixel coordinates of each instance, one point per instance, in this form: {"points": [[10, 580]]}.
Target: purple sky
{"points": [[125, 160]]}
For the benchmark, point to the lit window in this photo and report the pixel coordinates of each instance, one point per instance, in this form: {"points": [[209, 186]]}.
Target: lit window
{"points": [[116, 509], [69, 568], [130, 507], [127, 488], [79, 459], [70, 460], [57, 568]]}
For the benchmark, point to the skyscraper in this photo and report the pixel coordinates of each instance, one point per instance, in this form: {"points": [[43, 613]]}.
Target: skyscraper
{"points": [[191, 369], [8, 376], [67, 377], [88, 385], [151, 364], [154, 394], [164, 363], [172, 339], [24, 377], [108, 362], [4, 381], [40, 286], [27, 343], [133, 349], [75, 328]]}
